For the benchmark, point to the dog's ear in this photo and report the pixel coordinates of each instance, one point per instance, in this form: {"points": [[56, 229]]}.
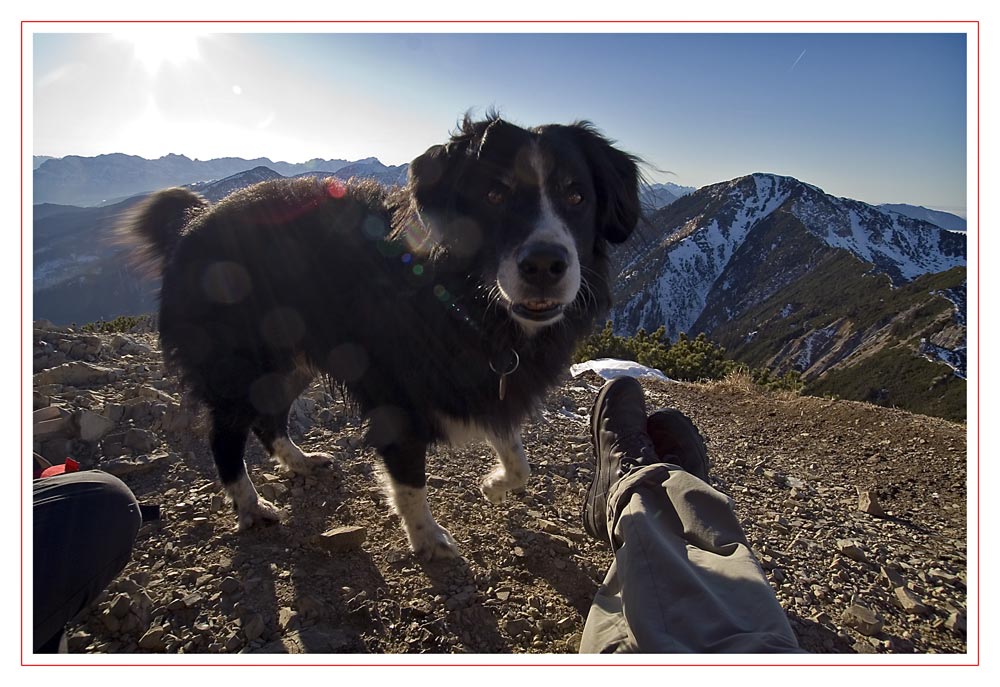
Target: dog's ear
{"points": [[427, 174], [431, 175], [616, 182]]}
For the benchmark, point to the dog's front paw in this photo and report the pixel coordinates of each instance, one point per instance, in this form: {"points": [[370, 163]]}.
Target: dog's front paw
{"points": [[428, 540], [259, 512], [499, 482], [431, 542]]}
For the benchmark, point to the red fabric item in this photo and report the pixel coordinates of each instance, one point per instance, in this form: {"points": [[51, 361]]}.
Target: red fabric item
{"points": [[69, 466]]}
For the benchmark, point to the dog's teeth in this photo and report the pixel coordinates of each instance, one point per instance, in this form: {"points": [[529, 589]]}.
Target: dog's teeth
{"points": [[540, 305]]}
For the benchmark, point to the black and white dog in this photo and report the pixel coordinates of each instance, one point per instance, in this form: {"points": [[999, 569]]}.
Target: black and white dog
{"points": [[445, 308]]}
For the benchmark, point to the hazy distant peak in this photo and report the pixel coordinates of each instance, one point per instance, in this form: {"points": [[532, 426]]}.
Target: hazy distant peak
{"points": [[945, 220]]}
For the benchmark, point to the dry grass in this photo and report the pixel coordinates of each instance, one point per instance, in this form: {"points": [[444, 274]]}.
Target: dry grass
{"points": [[739, 382]]}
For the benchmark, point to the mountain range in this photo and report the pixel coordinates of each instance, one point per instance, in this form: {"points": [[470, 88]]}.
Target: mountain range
{"points": [[83, 274], [865, 302], [75, 180]]}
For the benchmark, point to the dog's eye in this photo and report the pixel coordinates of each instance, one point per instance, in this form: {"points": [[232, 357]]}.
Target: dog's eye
{"points": [[496, 196], [573, 197]]}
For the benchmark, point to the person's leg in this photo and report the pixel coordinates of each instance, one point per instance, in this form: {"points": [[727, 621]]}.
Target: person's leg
{"points": [[84, 526], [684, 578]]}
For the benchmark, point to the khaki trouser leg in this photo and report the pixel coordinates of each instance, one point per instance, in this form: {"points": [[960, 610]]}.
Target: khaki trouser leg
{"points": [[684, 578]]}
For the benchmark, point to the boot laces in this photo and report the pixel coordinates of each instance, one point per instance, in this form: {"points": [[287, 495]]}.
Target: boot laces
{"points": [[626, 448]]}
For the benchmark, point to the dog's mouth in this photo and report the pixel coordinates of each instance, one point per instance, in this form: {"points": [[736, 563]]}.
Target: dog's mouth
{"points": [[538, 310]]}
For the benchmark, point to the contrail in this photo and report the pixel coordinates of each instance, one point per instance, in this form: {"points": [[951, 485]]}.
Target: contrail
{"points": [[797, 60]]}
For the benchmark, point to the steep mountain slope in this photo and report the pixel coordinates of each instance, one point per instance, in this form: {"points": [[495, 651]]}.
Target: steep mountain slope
{"points": [[669, 283], [80, 272], [786, 276]]}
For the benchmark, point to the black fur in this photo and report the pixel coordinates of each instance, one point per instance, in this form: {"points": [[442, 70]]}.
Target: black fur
{"points": [[390, 292]]}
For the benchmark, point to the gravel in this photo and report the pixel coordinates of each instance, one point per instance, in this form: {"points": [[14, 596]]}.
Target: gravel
{"points": [[336, 575]]}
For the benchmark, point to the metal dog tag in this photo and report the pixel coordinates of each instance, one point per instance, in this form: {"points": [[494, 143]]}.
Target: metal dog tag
{"points": [[515, 361]]}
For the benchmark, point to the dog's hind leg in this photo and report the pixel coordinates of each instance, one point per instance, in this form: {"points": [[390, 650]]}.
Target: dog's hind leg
{"points": [[272, 396], [405, 462], [228, 440], [512, 472], [272, 430]]}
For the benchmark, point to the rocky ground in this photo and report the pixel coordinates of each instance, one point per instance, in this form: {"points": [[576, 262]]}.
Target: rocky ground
{"points": [[857, 514]]}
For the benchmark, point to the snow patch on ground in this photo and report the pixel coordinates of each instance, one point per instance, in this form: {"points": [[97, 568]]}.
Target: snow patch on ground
{"points": [[611, 368], [956, 359], [820, 337]]}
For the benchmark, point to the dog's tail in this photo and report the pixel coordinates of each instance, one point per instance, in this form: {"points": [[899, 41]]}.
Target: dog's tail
{"points": [[153, 227]]}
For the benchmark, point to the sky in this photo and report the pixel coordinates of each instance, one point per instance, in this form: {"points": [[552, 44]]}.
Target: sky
{"points": [[876, 117]]}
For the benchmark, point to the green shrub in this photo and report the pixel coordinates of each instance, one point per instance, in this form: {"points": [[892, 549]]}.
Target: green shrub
{"points": [[686, 359], [604, 344], [119, 325]]}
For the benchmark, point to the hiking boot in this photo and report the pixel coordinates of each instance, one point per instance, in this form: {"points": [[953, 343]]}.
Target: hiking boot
{"points": [[676, 440], [618, 434]]}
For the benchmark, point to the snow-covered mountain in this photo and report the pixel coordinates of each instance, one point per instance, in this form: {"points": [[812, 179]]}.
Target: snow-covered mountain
{"points": [[788, 277], [705, 230]]}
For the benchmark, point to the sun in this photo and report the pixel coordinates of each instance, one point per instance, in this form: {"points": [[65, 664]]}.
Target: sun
{"points": [[155, 47]]}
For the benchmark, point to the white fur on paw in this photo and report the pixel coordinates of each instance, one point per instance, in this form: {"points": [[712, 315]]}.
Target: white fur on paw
{"points": [[498, 483], [260, 512], [292, 458], [313, 461], [433, 543], [428, 539], [251, 509]]}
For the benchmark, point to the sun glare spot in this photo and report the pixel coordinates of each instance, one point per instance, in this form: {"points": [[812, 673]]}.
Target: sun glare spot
{"points": [[154, 48], [237, 90], [335, 187]]}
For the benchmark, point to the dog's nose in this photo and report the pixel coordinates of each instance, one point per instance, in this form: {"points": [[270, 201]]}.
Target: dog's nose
{"points": [[542, 264]]}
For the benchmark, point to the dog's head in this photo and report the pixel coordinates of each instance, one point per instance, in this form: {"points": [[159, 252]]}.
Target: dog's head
{"points": [[529, 212]]}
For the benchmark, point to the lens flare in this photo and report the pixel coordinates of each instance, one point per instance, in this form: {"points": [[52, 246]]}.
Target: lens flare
{"points": [[415, 235], [336, 188], [441, 293]]}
